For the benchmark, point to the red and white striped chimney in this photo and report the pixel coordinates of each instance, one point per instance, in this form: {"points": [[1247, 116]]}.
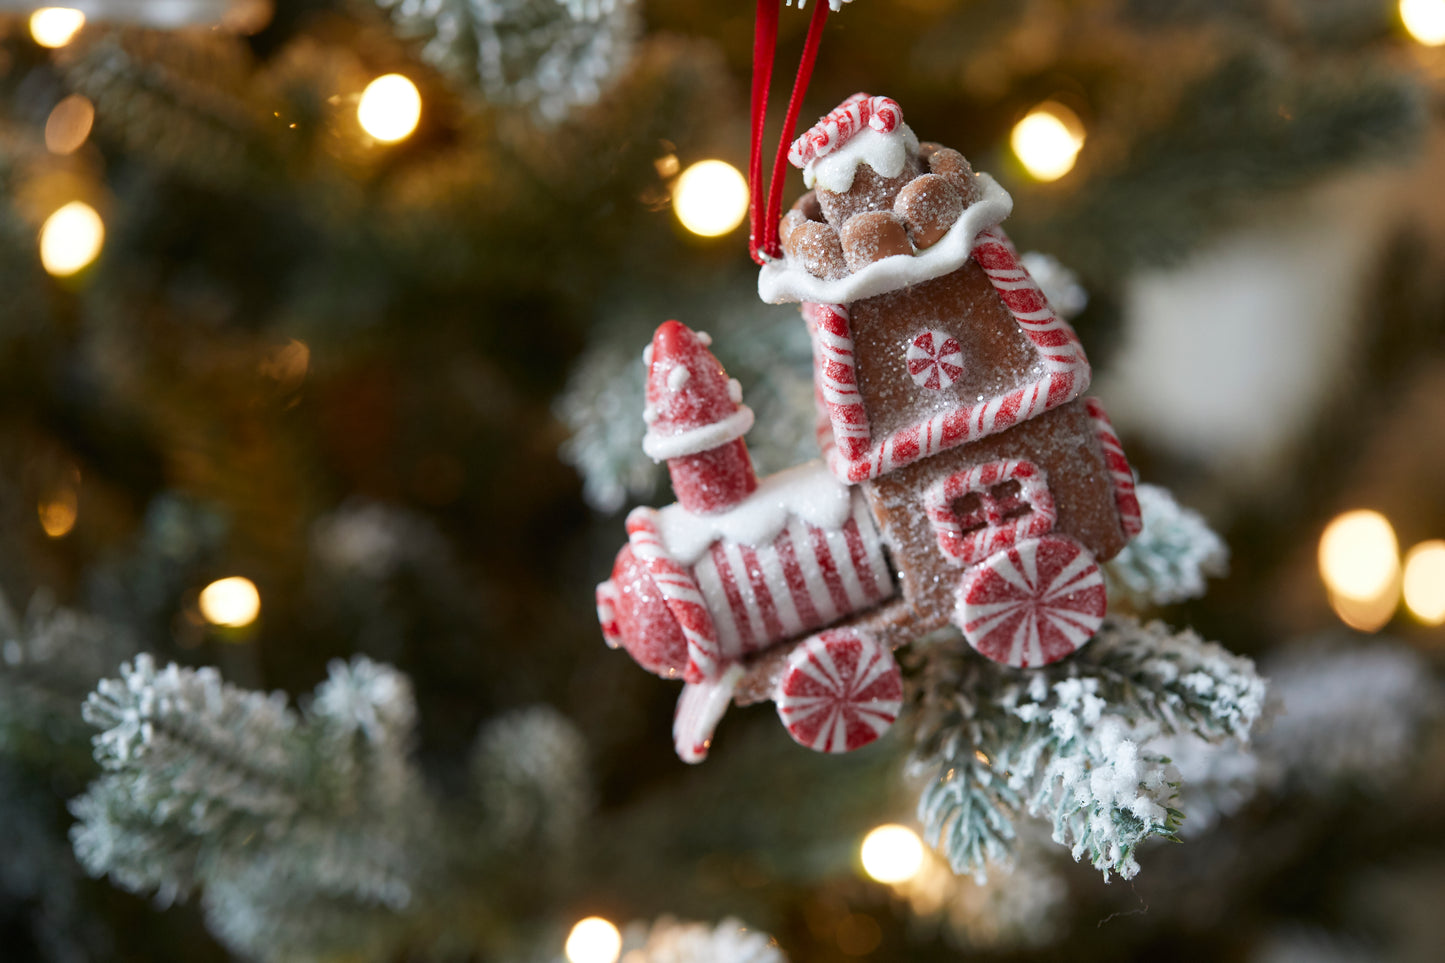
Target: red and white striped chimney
{"points": [[696, 421]]}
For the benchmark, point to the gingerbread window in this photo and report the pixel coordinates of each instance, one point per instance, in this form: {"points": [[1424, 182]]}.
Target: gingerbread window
{"points": [[989, 507]]}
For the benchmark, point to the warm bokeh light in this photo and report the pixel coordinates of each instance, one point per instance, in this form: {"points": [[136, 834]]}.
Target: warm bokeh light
{"points": [[71, 239], [232, 602], [1424, 582], [594, 940], [60, 508], [1425, 20], [390, 108], [55, 26], [710, 198], [1367, 615], [892, 854], [69, 124], [1048, 141], [1359, 556]]}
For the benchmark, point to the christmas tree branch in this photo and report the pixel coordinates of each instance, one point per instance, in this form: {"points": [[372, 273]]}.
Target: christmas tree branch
{"points": [[1069, 741]]}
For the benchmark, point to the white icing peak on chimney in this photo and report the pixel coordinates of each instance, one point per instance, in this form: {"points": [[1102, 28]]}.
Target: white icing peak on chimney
{"points": [[885, 153]]}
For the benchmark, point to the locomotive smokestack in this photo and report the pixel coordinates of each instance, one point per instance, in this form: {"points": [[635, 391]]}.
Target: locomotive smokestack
{"points": [[696, 421]]}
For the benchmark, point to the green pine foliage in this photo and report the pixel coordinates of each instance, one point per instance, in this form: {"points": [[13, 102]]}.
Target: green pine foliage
{"points": [[1069, 742], [309, 833]]}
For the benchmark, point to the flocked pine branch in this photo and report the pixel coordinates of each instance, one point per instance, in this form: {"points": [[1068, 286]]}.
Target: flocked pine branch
{"points": [[209, 785], [524, 769], [308, 833], [1351, 712], [545, 55], [671, 941], [1069, 742], [1170, 559]]}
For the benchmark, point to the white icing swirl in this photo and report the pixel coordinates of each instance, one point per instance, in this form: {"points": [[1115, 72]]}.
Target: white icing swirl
{"points": [[885, 153]]}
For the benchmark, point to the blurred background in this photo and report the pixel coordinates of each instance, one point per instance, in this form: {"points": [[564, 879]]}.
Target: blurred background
{"points": [[319, 335]]}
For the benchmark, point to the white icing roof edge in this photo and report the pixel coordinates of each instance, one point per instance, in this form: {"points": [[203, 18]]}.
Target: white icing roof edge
{"points": [[783, 281], [808, 492]]}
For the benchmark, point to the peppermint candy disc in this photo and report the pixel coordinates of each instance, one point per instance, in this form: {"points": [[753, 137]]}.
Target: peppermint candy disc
{"points": [[934, 360], [840, 691], [1034, 603]]}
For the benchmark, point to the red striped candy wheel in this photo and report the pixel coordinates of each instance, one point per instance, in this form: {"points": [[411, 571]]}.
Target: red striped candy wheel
{"points": [[1032, 604], [840, 691]]}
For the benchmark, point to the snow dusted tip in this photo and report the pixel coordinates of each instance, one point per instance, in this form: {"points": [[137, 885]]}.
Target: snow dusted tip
{"points": [[1170, 559], [1073, 742]]}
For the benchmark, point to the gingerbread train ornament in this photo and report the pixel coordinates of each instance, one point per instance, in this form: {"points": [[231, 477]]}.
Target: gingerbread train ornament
{"points": [[965, 479]]}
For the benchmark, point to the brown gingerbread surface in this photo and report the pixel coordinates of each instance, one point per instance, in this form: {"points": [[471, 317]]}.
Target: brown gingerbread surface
{"points": [[1062, 442], [998, 356]]}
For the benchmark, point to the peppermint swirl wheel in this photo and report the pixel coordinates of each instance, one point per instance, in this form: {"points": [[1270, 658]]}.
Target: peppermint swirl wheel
{"points": [[1033, 603], [841, 689], [935, 360]]}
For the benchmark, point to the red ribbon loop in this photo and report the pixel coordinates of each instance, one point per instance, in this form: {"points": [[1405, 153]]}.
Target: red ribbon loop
{"points": [[763, 241]]}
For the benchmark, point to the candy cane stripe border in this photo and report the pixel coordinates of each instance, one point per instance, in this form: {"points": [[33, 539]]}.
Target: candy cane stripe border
{"points": [[681, 594], [851, 453], [836, 128], [1121, 476]]}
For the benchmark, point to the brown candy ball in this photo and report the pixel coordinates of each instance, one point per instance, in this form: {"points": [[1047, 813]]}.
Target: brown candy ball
{"points": [[954, 166], [872, 236], [816, 247], [791, 221], [928, 206]]}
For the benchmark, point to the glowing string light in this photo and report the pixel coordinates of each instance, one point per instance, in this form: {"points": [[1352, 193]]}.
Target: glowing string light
{"points": [[892, 854], [593, 940], [710, 198], [1047, 141], [1359, 561], [55, 26], [232, 602], [1359, 556], [71, 238], [1424, 582], [1424, 20], [390, 108]]}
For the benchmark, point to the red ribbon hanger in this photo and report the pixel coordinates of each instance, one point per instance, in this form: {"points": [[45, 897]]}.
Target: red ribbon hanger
{"points": [[763, 214]]}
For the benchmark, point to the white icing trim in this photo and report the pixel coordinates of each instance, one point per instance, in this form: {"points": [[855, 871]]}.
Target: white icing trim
{"points": [[808, 492], [782, 281], [697, 440], [885, 153]]}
